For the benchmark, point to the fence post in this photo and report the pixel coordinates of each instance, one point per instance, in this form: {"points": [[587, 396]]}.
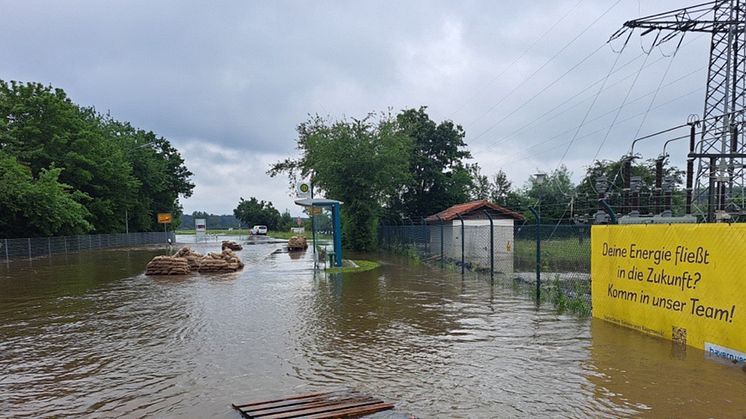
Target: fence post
{"points": [[65, 237], [462, 243], [425, 239], [7, 259], [29, 248], [49, 246], [492, 246], [441, 241], [538, 252]]}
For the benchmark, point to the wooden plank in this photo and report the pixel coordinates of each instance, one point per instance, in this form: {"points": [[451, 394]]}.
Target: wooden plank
{"points": [[301, 396], [306, 406], [355, 411], [327, 409], [296, 403], [288, 402]]}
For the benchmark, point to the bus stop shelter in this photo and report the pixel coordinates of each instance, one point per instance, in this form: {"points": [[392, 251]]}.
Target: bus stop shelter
{"points": [[336, 222]]}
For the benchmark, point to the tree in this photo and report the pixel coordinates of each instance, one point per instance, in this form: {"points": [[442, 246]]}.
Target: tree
{"points": [[43, 128], [481, 188], [160, 170], [120, 174], [552, 196], [361, 162], [39, 206], [286, 221], [254, 212], [502, 193], [439, 177], [501, 188]]}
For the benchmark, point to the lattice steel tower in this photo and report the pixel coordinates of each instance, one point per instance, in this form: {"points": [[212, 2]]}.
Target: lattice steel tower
{"points": [[720, 150]]}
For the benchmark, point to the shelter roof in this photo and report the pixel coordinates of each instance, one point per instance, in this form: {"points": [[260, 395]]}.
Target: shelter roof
{"points": [[317, 202], [453, 212]]}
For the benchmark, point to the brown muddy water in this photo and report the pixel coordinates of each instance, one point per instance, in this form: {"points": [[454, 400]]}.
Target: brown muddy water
{"points": [[90, 335]]}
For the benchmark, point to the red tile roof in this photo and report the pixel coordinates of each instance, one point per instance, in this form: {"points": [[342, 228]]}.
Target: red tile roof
{"points": [[453, 212]]}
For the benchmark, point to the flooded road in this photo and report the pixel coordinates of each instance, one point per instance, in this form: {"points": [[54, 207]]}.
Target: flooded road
{"points": [[88, 334]]}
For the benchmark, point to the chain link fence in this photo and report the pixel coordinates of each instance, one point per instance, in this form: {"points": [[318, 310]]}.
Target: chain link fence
{"points": [[564, 262], [33, 247], [507, 251]]}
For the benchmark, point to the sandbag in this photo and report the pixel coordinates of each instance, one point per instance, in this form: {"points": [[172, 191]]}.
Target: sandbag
{"points": [[186, 261], [297, 243]]}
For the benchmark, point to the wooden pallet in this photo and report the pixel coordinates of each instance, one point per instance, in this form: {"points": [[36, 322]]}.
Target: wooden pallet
{"points": [[332, 404]]}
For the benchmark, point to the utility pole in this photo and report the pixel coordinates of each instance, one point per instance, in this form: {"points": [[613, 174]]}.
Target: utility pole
{"points": [[720, 151]]}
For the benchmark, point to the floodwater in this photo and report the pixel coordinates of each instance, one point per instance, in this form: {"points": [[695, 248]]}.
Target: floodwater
{"points": [[90, 335]]}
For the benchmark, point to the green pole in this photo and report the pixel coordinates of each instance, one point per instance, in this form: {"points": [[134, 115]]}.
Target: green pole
{"points": [[538, 251]]}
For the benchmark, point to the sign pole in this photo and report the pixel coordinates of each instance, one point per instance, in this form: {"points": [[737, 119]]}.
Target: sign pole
{"points": [[313, 223]]}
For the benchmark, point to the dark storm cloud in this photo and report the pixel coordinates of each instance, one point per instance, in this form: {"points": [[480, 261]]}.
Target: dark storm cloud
{"points": [[229, 81]]}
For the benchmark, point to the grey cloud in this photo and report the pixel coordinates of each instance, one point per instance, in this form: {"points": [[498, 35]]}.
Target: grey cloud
{"points": [[239, 76]]}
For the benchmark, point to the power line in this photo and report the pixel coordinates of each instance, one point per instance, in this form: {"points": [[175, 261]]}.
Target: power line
{"points": [[588, 111], [659, 87], [511, 113], [565, 109], [626, 104], [629, 91], [557, 54], [512, 156], [525, 51]]}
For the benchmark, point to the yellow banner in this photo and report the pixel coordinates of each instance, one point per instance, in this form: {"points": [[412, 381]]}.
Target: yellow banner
{"points": [[684, 282]]}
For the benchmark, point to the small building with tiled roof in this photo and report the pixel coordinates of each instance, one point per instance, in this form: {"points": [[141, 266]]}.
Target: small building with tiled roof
{"points": [[470, 222], [475, 210]]}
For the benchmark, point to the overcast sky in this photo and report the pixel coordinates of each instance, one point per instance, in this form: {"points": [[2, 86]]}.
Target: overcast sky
{"points": [[227, 82]]}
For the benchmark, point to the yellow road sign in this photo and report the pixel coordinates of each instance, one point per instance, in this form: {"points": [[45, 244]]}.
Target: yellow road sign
{"points": [[164, 218]]}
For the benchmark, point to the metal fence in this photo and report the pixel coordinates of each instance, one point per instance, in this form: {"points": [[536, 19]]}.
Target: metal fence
{"points": [[555, 258], [33, 247]]}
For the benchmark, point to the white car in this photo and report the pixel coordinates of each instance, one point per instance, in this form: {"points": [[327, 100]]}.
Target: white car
{"points": [[262, 230]]}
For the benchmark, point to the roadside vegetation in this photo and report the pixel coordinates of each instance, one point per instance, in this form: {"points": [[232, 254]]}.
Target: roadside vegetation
{"points": [[253, 212], [382, 167], [67, 169]]}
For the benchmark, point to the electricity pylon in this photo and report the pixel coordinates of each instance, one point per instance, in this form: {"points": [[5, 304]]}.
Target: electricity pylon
{"points": [[720, 151]]}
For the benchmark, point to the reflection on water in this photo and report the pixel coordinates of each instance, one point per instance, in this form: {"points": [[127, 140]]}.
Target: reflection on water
{"points": [[89, 334], [661, 378]]}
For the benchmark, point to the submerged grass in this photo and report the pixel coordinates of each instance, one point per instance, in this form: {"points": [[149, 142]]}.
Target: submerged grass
{"points": [[567, 296], [409, 251], [362, 266], [225, 232], [559, 255]]}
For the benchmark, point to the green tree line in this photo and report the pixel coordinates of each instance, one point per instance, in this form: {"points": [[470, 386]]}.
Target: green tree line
{"points": [[68, 169], [253, 212], [400, 168]]}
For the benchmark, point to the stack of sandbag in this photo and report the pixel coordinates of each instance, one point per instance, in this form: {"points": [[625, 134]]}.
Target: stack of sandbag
{"points": [[229, 244], [297, 243], [192, 258], [226, 261], [186, 261], [167, 265]]}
